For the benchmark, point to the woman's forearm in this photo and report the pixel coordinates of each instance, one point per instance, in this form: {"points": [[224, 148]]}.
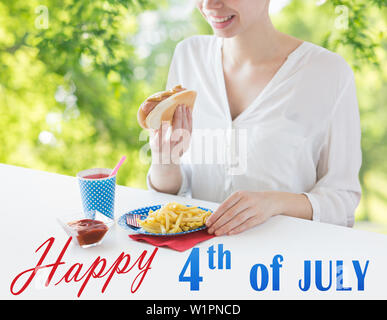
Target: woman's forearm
{"points": [[293, 204], [166, 178]]}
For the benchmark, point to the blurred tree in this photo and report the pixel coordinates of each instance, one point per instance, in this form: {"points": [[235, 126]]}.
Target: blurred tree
{"points": [[66, 83]]}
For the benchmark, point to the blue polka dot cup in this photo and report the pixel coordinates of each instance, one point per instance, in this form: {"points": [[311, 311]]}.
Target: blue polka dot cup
{"points": [[97, 190]]}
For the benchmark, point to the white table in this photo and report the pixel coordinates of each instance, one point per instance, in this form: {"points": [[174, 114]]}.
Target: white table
{"points": [[31, 200]]}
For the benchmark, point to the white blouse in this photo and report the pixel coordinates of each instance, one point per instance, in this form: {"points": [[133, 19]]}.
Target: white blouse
{"points": [[301, 134]]}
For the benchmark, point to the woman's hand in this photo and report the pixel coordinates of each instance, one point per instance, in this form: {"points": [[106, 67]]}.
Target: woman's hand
{"points": [[167, 149], [246, 209], [165, 171]]}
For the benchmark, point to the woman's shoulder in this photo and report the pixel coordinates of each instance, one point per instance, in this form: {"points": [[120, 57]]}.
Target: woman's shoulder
{"points": [[197, 44], [199, 40], [327, 61]]}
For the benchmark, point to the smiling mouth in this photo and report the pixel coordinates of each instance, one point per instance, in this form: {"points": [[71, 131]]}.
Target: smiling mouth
{"points": [[220, 19], [221, 22]]}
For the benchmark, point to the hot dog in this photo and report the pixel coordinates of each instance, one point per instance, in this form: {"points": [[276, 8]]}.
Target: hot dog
{"points": [[161, 106]]}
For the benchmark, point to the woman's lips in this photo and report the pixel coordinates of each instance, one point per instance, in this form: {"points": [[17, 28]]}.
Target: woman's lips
{"points": [[221, 22]]}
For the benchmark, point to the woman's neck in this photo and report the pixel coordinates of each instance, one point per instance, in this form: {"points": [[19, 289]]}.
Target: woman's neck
{"points": [[256, 45]]}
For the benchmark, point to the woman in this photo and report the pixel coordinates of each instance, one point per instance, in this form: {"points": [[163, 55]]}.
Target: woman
{"points": [[293, 101]]}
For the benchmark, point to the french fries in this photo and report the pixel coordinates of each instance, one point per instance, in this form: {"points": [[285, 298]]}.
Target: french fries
{"points": [[173, 218]]}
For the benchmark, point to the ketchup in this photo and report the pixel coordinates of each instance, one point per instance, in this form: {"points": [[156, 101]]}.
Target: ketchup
{"points": [[96, 176], [89, 231]]}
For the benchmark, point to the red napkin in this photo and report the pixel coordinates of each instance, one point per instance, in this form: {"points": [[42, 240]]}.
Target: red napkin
{"points": [[179, 243]]}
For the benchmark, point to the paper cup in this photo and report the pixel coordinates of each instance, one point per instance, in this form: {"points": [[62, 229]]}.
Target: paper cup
{"points": [[97, 194]]}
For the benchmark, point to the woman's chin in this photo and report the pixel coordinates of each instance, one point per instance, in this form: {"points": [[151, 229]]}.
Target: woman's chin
{"points": [[226, 29], [224, 33]]}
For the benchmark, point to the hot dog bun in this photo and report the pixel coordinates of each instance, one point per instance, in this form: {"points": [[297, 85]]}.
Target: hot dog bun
{"points": [[161, 106]]}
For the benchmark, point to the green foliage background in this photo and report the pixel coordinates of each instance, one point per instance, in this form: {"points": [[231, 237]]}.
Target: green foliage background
{"points": [[69, 90]]}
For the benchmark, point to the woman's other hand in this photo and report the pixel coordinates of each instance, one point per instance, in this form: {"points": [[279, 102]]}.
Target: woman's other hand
{"points": [[245, 209]]}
